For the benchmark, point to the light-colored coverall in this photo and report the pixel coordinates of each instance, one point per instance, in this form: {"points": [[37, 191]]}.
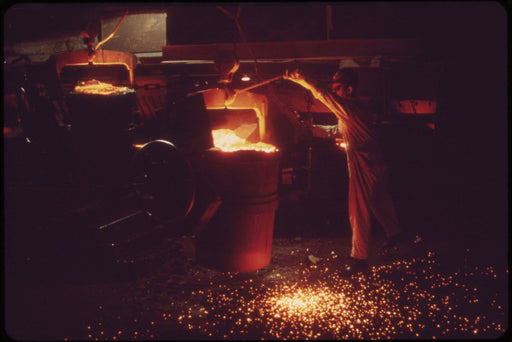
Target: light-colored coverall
{"points": [[368, 177]]}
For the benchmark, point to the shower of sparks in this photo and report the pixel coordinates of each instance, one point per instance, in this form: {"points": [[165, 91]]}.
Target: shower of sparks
{"points": [[406, 299]]}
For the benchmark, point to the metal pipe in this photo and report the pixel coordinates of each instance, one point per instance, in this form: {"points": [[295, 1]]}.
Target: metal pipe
{"points": [[138, 212], [259, 84], [112, 34]]}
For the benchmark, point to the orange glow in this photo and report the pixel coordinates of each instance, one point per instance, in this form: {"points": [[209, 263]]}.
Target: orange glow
{"points": [[228, 141], [99, 88], [220, 99], [138, 145], [100, 57], [341, 143]]}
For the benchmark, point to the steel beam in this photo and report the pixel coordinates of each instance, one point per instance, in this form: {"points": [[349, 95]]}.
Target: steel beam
{"points": [[309, 50]]}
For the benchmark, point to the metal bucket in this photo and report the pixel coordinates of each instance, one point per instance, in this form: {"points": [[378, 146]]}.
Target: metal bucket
{"points": [[100, 136], [101, 114], [238, 238]]}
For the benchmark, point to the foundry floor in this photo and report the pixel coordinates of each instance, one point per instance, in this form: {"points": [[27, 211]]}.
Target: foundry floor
{"points": [[155, 290]]}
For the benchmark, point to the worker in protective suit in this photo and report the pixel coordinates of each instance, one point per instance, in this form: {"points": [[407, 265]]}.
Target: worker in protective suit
{"points": [[368, 179]]}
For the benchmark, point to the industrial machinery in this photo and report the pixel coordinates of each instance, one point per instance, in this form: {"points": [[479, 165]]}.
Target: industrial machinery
{"points": [[209, 136]]}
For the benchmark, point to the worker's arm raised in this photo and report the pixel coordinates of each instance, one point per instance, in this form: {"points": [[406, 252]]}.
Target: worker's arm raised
{"points": [[326, 98]]}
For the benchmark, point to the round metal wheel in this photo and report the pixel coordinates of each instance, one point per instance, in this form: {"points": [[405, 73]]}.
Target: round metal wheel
{"points": [[163, 181]]}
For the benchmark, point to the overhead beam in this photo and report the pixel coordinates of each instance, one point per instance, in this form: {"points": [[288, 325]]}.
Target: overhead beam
{"points": [[308, 50]]}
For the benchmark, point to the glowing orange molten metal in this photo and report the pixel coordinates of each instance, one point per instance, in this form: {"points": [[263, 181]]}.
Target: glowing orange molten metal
{"points": [[99, 88], [228, 141]]}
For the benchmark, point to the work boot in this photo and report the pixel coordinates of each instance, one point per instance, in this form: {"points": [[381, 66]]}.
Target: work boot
{"points": [[354, 266]]}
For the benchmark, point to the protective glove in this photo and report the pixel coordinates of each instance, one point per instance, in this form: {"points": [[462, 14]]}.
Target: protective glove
{"points": [[298, 77], [295, 76]]}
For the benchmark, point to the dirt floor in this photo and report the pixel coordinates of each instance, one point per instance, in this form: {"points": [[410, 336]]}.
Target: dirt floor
{"points": [[61, 285]]}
